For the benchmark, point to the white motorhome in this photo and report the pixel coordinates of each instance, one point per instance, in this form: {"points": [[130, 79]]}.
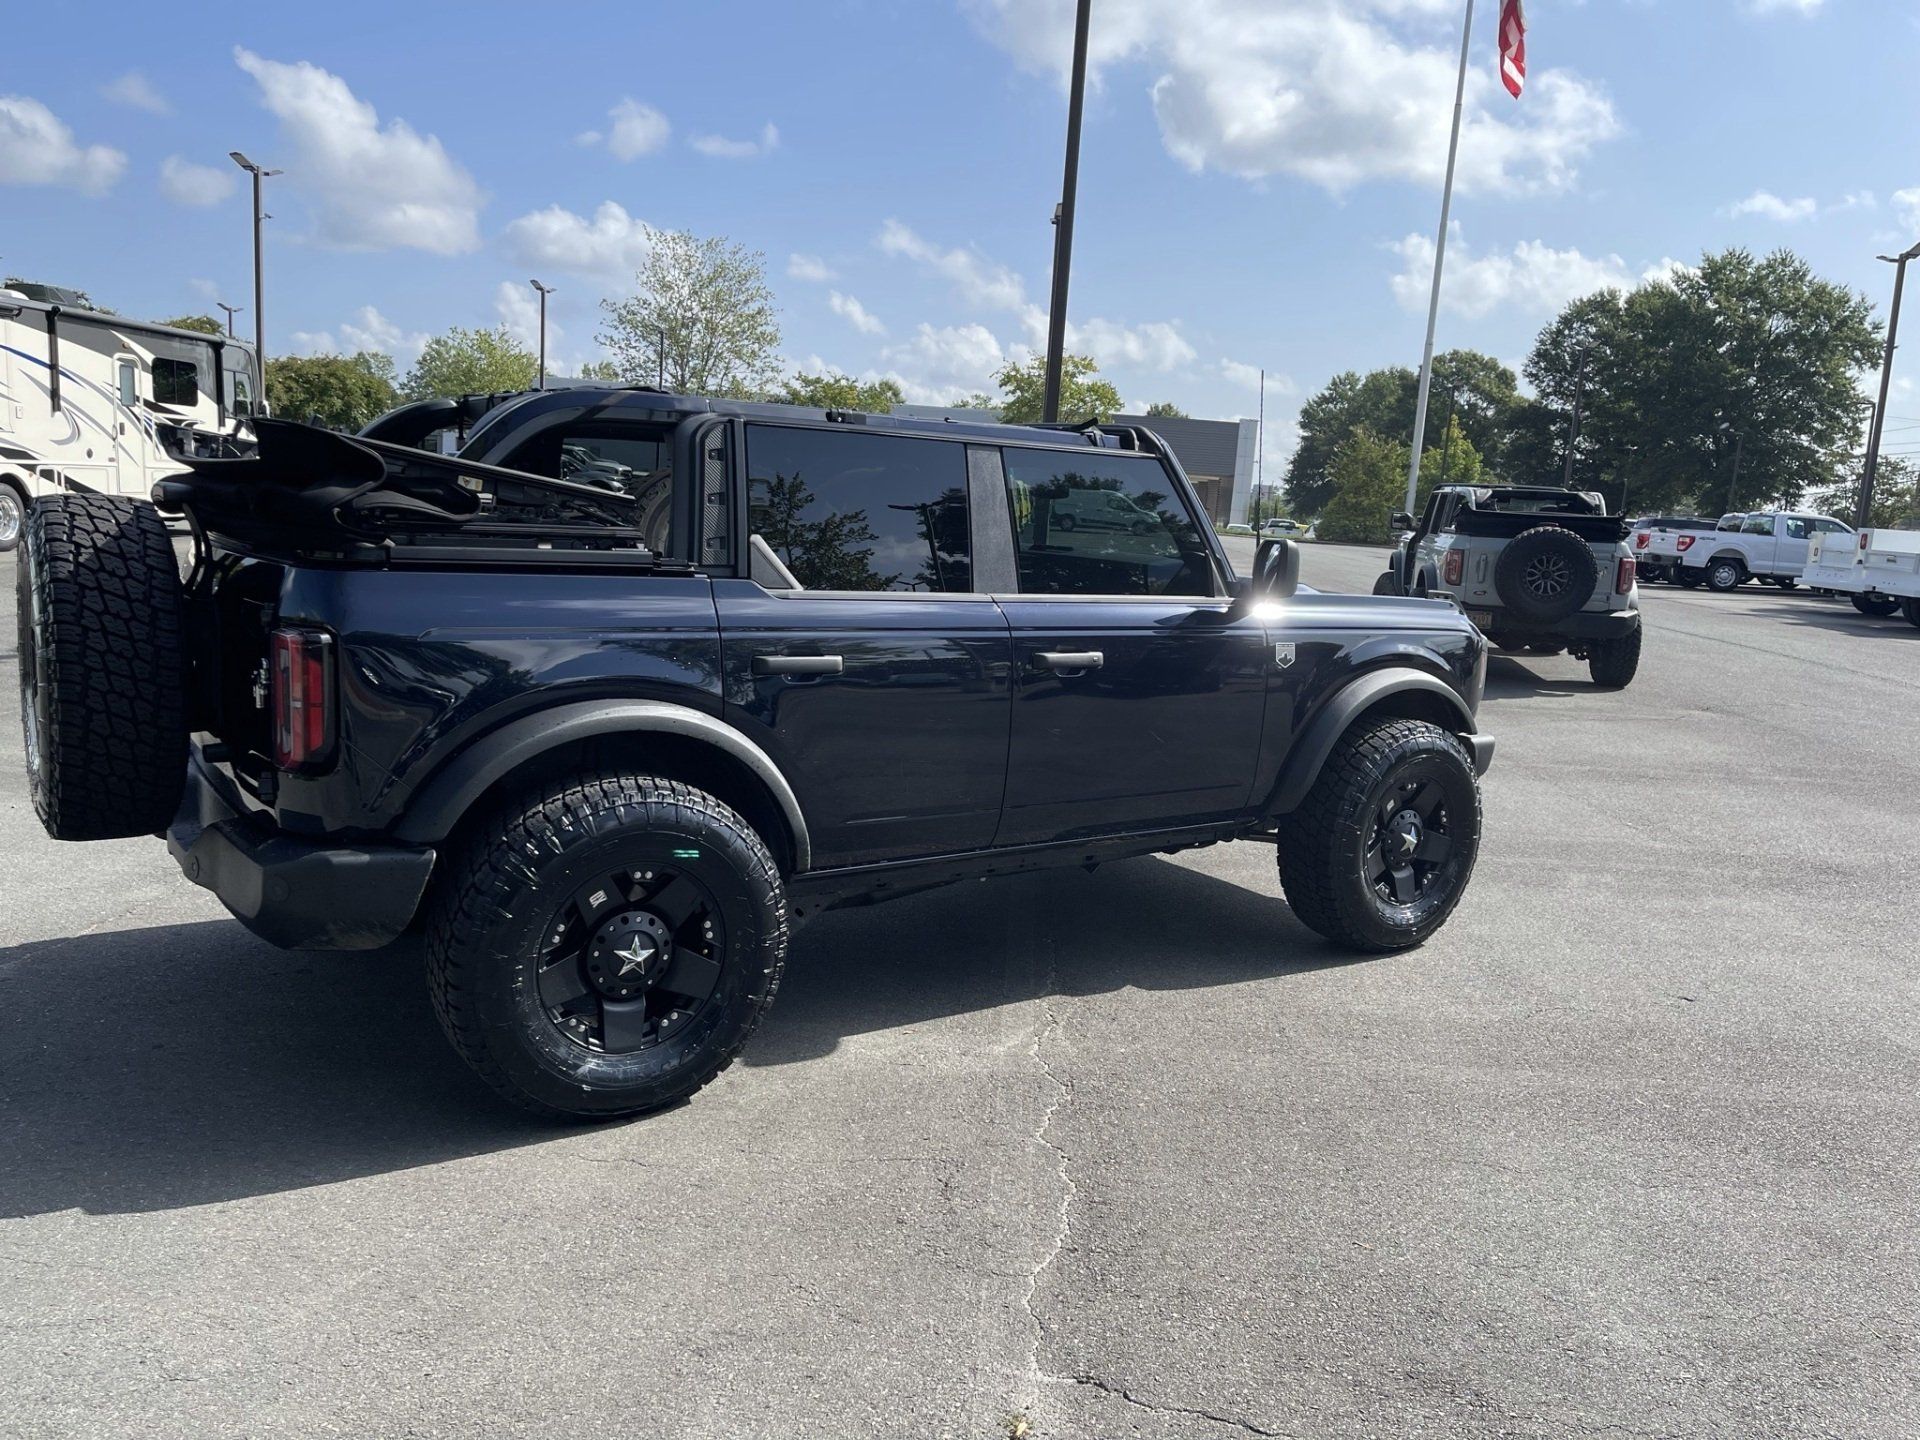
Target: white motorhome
{"points": [[94, 401]]}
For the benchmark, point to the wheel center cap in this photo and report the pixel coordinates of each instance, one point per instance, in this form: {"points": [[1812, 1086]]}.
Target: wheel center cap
{"points": [[627, 954], [1405, 831]]}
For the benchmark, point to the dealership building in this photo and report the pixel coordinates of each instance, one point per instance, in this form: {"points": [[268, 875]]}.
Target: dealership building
{"points": [[1216, 454]]}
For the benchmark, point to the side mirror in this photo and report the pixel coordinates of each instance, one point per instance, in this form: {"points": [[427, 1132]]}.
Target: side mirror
{"points": [[1276, 570], [1400, 520]]}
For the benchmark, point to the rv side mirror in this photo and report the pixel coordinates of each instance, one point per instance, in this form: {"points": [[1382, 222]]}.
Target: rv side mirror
{"points": [[1400, 520], [1276, 570]]}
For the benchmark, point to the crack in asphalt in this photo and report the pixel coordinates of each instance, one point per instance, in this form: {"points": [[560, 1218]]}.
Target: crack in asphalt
{"points": [[1120, 1393], [1063, 1227]]}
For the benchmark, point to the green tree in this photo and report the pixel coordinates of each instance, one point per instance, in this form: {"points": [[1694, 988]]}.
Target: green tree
{"points": [[1165, 410], [343, 392], [977, 401], [1083, 395], [471, 362], [599, 370], [1368, 473], [702, 318], [1896, 496], [205, 324], [840, 392], [1725, 387]]}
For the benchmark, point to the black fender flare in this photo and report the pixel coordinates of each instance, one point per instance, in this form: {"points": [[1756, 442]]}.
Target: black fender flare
{"points": [[1314, 744], [437, 806]]}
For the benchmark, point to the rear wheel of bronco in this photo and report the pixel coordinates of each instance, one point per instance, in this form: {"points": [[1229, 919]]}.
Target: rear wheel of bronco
{"points": [[606, 946], [1614, 663], [1878, 606], [102, 667], [1381, 850]]}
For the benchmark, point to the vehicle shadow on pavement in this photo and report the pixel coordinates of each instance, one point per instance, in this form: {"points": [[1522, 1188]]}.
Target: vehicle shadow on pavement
{"points": [[157, 1068], [153, 1069], [1139, 924], [1840, 615], [1511, 678]]}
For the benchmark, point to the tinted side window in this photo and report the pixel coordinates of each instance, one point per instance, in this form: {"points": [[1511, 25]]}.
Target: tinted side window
{"points": [[1798, 529], [847, 511], [1097, 523], [1758, 525], [175, 382]]}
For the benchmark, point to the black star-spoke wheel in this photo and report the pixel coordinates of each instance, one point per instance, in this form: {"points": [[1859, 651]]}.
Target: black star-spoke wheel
{"points": [[631, 958], [1410, 847]]}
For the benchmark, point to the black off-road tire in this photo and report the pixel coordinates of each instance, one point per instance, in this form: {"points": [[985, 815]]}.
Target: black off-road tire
{"points": [[1613, 663], [1545, 574], [1324, 845], [1880, 607], [1388, 584], [495, 907], [1689, 579], [102, 667], [13, 515], [1911, 609]]}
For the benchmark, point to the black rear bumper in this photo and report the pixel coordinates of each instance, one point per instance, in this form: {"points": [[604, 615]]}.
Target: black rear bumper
{"points": [[1586, 625], [295, 893]]}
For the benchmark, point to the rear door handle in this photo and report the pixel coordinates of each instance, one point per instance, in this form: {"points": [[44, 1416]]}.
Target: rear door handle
{"points": [[1063, 660], [798, 665]]}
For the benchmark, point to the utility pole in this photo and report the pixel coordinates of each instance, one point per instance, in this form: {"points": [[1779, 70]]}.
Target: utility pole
{"points": [[1063, 218], [1864, 509], [1733, 480], [1573, 425], [232, 310], [1446, 433], [259, 296], [1439, 267], [660, 358], [545, 291], [1260, 452]]}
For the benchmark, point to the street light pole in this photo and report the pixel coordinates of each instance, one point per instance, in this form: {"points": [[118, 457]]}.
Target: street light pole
{"points": [[545, 290], [1864, 509], [1063, 218], [259, 295], [232, 310], [1573, 425]]}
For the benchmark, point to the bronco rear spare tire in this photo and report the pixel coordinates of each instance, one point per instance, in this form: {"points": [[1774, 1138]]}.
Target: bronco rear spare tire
{"points": [[102, 669], [1546, 574]]}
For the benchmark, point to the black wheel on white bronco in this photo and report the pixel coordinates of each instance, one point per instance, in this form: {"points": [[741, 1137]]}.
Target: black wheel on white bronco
{"points": [[1545, 575]]}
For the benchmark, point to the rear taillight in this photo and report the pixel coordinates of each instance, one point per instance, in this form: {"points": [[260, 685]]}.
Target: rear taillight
{"points": [[1640, 540], [1684, 543], [300, 696], [1456, 566], [1624, 583], [1866, 539]]}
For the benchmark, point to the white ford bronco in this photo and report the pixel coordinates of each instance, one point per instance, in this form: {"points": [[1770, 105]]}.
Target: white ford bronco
{"points": [[1536, 568]]}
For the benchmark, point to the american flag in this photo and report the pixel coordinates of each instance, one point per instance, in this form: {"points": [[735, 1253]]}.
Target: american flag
{"points": [[1513, 47]]}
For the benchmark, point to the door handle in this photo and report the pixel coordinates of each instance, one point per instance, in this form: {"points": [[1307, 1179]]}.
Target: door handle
{"points": [[1062, 661], [798, 665]]}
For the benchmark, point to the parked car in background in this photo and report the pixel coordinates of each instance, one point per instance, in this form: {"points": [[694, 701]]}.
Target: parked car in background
{"points": [[1878, 570], [1769, 545], [1282, 526], [1656, 542], [1537, 569]]}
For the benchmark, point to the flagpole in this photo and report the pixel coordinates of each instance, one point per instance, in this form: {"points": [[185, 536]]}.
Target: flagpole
{"points": [[1439, 266]]}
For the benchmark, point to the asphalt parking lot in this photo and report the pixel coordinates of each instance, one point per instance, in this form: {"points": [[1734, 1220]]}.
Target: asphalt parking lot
{"points": [[1629, 1149]]}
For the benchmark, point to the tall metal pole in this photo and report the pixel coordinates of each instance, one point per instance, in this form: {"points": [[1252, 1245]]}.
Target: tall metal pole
{"points": [[232, 310], [259, 174], [1733, 480], [1063, 218], [1446, 433], [1439, 266], [1573, 424], [1864, 509], [545, 290], [1260, 453]]}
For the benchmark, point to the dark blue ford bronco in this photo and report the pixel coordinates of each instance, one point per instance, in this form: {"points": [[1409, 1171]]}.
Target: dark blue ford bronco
{"points": [[608, 700]]}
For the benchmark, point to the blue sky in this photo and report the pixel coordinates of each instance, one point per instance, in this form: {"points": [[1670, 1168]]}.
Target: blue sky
{"points": [[1259, 187]]}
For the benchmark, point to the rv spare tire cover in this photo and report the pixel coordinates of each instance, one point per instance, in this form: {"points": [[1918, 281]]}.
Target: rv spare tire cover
{"points": [[1546, 575], [102, 667]]}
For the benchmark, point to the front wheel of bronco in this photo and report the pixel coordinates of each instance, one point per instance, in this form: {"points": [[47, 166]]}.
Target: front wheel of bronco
{"points": [[1381, 850], [606, 946], [1614, 663]]}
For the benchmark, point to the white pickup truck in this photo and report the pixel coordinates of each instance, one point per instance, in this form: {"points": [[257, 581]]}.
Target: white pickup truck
{"points": [[1657, 546], [1879, 570], [1768, 545]]}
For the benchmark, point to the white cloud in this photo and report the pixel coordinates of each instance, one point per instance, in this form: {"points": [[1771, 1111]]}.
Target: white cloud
{"points": [[810, 268], [36, 148], [205, 289], [376, 188], [1785, 7], [1337, 92], [633, 130], [980, 281], [1769, 206], [1247, 377], [1906, 205], [1533, 277], [1156, 345], [136, 90], [949, 359], [721, 148], [367, 330], [612, 245], [186, 183], [855, 314]]}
